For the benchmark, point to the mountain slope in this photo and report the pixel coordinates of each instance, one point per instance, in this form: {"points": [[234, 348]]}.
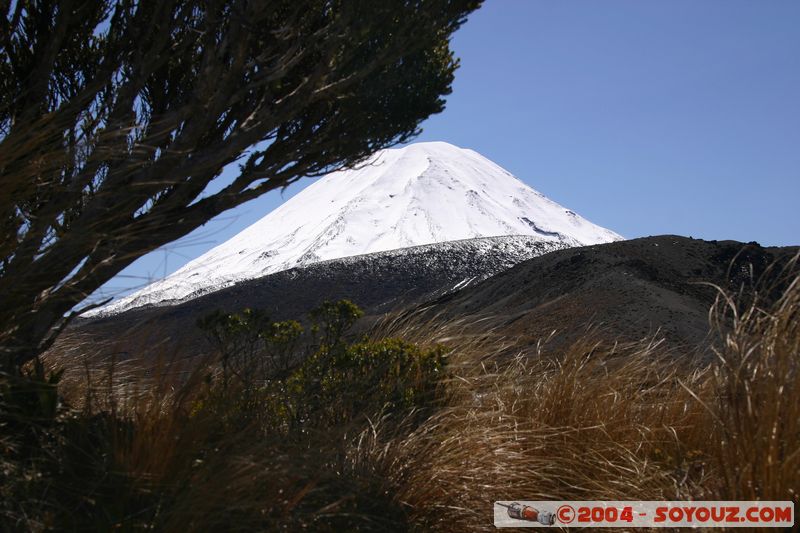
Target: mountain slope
{"points": [[378, 283], [627, 289], [420, 194]]}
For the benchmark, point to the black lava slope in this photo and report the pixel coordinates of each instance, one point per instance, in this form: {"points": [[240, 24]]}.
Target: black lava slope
{"points": [[627, 289], [378, 283]]}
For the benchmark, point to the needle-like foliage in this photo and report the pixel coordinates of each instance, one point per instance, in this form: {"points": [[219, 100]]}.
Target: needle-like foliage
{"points": [[117, 119]]}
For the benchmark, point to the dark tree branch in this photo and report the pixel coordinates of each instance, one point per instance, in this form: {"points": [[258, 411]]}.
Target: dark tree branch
{"points": [[115, 115]]}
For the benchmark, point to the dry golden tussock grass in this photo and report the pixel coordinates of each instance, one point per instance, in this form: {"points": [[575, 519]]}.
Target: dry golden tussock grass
{"points": [[595, 421], [635, 421]]}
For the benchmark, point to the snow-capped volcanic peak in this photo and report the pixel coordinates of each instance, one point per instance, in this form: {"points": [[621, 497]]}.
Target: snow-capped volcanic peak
{"points": [[420, 194]]}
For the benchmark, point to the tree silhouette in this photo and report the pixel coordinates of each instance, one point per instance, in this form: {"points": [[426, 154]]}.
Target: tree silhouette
{"points": [[115, 116]]}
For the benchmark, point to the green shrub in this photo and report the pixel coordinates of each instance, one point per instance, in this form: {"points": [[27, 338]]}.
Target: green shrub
{"points": [[285, 378], [336, 385], [249, 346]]}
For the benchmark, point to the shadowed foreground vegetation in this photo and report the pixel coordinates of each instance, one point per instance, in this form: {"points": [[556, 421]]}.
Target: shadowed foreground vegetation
{"points": [[291, 427]]}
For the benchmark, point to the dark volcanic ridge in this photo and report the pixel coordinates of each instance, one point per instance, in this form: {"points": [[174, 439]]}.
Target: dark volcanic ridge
{"points": [[628, 289], [378, 283]]}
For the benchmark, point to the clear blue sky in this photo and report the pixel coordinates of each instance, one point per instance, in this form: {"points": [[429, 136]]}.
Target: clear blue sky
{"points": [[646, 117]]}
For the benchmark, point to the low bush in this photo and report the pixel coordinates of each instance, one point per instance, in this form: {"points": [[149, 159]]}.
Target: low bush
{"points": [[258, 437]]}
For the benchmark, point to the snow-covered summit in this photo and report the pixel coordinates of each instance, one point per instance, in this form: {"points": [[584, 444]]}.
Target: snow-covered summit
{"points": [[419, 194]]}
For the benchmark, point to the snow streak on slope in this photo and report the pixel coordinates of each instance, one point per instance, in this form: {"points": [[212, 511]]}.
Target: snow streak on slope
{"points": [[420, 194]]}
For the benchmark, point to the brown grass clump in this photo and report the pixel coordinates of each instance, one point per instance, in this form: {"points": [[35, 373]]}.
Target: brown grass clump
{"points": [[593, 421], [600, 422], [752, 400], [634, 421]]}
